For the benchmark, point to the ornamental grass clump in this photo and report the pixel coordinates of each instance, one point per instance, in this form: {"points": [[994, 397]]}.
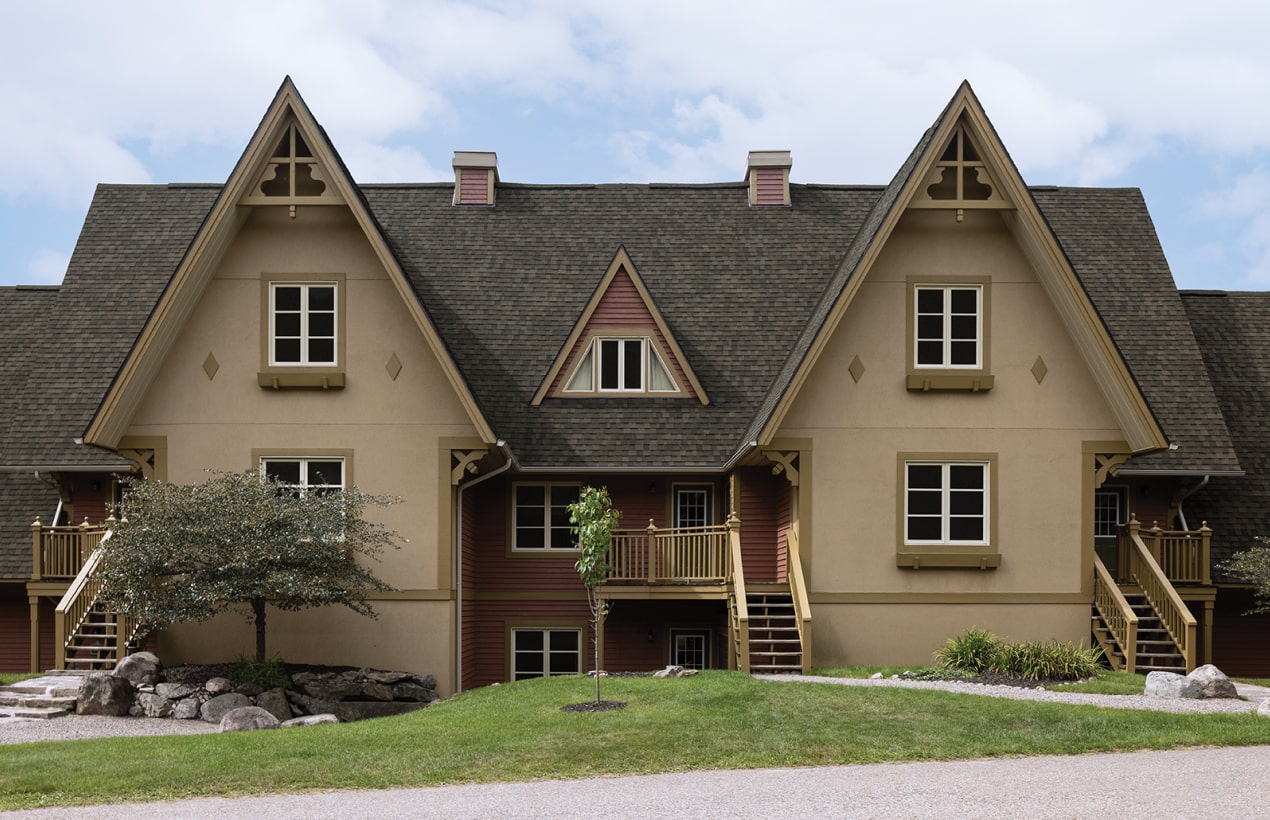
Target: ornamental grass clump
{"points": [[978, 651], [973, 651]]}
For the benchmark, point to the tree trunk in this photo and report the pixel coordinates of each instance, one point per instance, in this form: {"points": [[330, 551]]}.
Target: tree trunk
{"points": [[258, 613]]}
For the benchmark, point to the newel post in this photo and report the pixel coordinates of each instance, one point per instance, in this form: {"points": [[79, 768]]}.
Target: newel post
{"points": [[37, 563], [1157, 537], [82, 539], [652, 551], [1205, 539]]}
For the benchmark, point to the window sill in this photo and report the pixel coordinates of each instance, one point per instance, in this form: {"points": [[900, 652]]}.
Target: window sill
{"points": [[320, 380], [968, 382], [947, 560]]}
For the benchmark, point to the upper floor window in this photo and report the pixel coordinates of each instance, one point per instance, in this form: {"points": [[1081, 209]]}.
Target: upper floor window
{"points": [[621, 364], [303, 323], [320, 474], [692, 506], [946, 503], [541, 516], [948, 339]]}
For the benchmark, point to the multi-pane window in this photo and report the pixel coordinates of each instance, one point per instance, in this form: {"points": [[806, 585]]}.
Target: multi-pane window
{"points": [[319, 474], [690, 649], [692, 507], [621, 365], [538, 653], [302, 324], [948, 324], [1107, 516], [541, 516], [946, 503]]}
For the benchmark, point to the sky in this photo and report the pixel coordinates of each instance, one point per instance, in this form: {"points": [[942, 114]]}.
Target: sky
{"points": [[1169, 97]]}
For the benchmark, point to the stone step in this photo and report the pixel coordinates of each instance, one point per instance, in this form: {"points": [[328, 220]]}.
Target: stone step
{"points": [[32, 712], [11, 700]]}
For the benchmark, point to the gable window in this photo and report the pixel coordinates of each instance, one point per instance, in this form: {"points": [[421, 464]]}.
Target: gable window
{"points": [[692, 506], [302, 330], [948, 335], [541, 516], [320, 474], [539, 653], [947, 507], [621, 364]]}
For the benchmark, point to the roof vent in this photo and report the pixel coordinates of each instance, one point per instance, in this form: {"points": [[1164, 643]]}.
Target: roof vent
{"points": [[475, 173], [768, 175]]}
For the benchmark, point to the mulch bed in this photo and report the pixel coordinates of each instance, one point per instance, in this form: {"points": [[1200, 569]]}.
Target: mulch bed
{"points": [[595, 706]]}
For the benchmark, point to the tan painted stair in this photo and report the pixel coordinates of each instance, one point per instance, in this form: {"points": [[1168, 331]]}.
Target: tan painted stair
{"points": [[92, 646], [1156, 651], [774, 643]]}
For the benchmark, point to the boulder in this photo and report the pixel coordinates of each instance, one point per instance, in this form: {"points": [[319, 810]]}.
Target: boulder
{"points": [[1213, 683], [275, 703], [155, 706], [218, 686], [409, 690], [247, 719], [174, 691], [376, 691], [215, 709], [140, 668], [104, 694], [1172, 685], [186, 709], [1264, 709], [309, 720], [349, 710], [669, 672], [249, 689]]}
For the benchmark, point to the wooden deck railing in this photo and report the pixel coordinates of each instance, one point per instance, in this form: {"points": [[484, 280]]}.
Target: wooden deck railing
{"points": [[798, 591], [1183, 555], [74, 608], [1119, 617], [58, 553], [1176, 619], [688, 554], [739, 605]]}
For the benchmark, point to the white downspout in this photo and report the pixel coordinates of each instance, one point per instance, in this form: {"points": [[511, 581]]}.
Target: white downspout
{"points": [[458, 562], [1181, 516]]}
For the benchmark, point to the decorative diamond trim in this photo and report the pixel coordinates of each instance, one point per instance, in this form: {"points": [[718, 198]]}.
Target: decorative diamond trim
{"points": [[1039, 370], [393, 366], [210, 366], [856, 369]]}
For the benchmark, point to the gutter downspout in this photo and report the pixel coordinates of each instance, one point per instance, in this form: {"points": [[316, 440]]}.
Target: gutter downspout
{"points": [[458, 562], [1181, 516]]}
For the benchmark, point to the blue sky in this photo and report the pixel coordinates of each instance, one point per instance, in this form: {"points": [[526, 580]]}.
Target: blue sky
{"points": [[1166, 96]]}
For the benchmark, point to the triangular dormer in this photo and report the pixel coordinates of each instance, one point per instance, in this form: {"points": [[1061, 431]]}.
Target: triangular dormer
{"points": [[620, 346]]}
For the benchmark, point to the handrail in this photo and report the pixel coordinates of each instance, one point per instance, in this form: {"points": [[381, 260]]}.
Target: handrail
{"points": [[73, 609], [798, 591], [1183, 555], [652, 555], [737, 572], [1174, 614], [59, 552], [1121, 620]]}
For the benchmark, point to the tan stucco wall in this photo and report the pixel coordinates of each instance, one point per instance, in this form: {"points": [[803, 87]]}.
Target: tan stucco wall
{"points": [[392, 427], [857, 430]]}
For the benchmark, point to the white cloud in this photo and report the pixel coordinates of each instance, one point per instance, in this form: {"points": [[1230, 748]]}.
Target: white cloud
{"points": [[47, 267]]}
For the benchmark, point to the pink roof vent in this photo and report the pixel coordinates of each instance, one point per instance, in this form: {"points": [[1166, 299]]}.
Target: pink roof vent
{"points": [[767, 173], [475, 175]]}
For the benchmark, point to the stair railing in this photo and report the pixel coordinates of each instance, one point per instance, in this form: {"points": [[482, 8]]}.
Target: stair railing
{"points": [[798, 592], [1175, 617], [740, 612], [1121, 620], [76, 605]]}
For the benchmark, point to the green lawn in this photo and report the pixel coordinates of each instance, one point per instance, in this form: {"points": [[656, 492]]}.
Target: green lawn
{"points": [[716, 720], [7, 678]]}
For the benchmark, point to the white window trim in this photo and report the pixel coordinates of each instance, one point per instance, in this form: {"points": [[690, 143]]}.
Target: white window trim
{"points": [[707, 637], [677, 489], [547, 504], [546, 651], [650, 356], [945, 515], [304, 337], [303, 461], [946, 335]]}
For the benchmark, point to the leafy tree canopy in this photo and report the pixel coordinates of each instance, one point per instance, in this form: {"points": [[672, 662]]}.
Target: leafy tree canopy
{"points": [[1253, 566], [187, 552]]}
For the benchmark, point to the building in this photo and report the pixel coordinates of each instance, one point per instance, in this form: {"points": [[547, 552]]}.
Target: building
{"points": [[841, 422]]}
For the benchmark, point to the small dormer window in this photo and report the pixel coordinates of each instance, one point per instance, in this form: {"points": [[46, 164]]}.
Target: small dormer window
{"points": [[621, 364]]}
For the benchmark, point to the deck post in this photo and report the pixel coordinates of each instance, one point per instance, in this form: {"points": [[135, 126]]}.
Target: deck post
{"points": [[1206, 538], [652, 552], [34, 601], [37, 564]]}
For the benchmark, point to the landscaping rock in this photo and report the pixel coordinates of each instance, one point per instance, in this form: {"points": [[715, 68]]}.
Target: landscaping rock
{"points": [[1171, 685], [376, 691], [155, 706], [407, 690], [215, 709], [186, 709], [104, 694], [247, 719], [1213, 682], [250, 689], [174, 691], [309, 720], [218, 686], [350, 710], [140, 668], [1264, 709], [673, 671], [275, 703]]}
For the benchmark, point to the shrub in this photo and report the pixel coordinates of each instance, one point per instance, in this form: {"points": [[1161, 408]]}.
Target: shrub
{"points": [[972, 650], [270, 674]]}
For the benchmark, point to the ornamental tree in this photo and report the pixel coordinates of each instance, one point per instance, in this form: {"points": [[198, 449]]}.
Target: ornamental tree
{"points": [[1253, 566], [187, 552], [594, 519]]}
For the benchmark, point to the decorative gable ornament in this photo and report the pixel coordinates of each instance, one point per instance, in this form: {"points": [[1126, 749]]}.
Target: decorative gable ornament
{"points": [[292, 176]]}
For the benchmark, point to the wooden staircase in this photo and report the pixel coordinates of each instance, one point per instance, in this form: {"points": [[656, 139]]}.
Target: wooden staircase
{"points": [[775, 646], [1156, 650], [93, 645]]}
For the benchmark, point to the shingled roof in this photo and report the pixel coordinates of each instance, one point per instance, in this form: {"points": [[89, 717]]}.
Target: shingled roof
{"points": [[1233, 331]]}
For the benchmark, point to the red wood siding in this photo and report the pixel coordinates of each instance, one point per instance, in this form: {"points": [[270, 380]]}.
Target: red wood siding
{"points": [[784, 518], [15, 629], [90, 498], [769, 185], [626, 631], [1241, 643], [622, 308], [760, 523], [474, 186], [492, 620]]}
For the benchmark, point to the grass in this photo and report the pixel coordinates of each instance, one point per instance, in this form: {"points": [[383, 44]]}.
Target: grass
{"points": [[7, 678], [516, 732]]}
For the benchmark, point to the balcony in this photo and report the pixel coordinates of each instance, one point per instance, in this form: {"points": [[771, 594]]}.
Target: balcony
{"points": [[58, 553], [679, 555]]}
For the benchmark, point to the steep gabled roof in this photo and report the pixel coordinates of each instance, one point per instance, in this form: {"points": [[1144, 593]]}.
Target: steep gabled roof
{"points": [[1233, 332]]}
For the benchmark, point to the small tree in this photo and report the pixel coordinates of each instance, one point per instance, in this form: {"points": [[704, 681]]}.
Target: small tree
{"points": [[1253, 566], [594, 519], [239, 541]]}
